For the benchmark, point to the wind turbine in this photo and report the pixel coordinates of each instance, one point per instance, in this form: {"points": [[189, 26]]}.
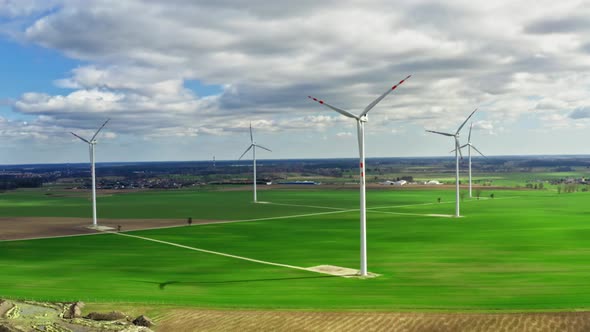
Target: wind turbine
{"points": [[469, 146], [457, 154], [91, 145], [360, 124], [253, 146]]}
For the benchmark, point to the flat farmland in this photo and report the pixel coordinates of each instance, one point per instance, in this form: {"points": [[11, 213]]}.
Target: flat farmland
{"points": [[522, 250]]}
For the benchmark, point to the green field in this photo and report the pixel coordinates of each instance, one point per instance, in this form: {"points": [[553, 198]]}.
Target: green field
{"points": [[523, 250]]}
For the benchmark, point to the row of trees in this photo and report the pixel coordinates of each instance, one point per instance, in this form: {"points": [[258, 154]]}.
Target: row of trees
{"points": [[7, 183], [569, 188]]}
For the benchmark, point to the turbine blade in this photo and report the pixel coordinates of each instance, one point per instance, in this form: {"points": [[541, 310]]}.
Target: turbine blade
{"points": [[99, 129], [478, 151], [461, 147], [440, 133], [464, 122], [465, 145], [469, 137], [251, 136], [85, 140], [376, 101], [248, 149], [262, 147], [341, 111], [90, 152], [457, 146]]}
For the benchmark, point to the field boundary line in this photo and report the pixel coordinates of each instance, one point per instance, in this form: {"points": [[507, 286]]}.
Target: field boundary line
{"points": [[435, 203], [433, 215], [254, 219], [51, 237], [221, 253], [310, 206]]}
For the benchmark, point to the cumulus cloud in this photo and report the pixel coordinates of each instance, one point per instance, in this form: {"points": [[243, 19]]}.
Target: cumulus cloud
{"points": [[508, 58]]}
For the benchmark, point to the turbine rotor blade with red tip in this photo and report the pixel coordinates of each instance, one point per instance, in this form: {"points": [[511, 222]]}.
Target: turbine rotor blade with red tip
{"points": [[341, 111], [376, 101]]}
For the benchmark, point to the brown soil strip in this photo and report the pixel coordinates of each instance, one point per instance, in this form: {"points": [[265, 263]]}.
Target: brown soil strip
{"points": [[243, 321], [19, 228]]}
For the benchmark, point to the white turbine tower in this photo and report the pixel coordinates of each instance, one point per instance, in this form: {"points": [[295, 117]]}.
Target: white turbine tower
{"points": [[457, 153], [253, 146], [469, 146], [360, 123], [91, 145]]}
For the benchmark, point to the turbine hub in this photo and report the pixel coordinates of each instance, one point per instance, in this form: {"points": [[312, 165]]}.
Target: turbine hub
{"points": [[364, 118]]}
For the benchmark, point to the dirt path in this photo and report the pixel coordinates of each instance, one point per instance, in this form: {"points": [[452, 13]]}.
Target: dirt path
{"points": [[243, 321], [42, 227]]}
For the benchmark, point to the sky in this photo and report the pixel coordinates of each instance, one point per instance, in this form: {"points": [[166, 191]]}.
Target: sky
{"points": [[183, 79]]}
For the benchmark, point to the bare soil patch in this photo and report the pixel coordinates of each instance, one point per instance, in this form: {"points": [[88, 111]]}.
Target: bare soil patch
{"points": [[243, 321], [18, 228]]}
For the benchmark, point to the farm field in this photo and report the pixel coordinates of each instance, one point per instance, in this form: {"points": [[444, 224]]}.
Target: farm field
{"points": [[522, 250]]}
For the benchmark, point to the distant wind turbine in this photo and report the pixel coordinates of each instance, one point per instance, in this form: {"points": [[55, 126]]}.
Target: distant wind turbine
{"points": [[91, 145], [457, 153], [253, 146], [469, 146], [360, 123]]}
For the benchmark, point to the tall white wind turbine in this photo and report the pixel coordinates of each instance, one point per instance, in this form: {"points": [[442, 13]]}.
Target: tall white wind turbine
{"points": [[457, 153], [253, 146], [91, 145], [469, 147], [360, 124]]}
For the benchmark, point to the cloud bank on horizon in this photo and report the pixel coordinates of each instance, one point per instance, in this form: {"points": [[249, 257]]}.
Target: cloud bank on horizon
{"points": [[514, 60]]}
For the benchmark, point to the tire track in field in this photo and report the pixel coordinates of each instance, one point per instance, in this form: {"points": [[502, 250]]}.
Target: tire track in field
{"points": [[211, 252], [229, 255]]}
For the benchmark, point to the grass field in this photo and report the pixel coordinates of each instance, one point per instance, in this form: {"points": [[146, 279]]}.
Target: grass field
{"points": [[523, 250]]}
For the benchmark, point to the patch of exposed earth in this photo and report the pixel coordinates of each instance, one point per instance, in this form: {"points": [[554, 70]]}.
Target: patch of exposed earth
{"points": [[244, 321], [16, 228], [25, 316]]}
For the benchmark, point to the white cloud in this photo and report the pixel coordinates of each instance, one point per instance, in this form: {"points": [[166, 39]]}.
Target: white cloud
{"points": [[510, 59]]}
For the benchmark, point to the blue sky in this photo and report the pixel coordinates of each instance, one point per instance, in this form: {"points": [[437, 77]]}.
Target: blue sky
{"points": [[183, 80], [27, 67]]}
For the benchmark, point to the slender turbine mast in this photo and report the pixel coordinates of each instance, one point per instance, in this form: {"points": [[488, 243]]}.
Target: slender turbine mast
{"points": [[457, 154], [469, 147], [91, 145], [360, 124], [253, 146]]}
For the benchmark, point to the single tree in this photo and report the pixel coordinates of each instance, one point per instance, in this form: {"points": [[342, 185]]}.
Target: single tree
{"points": [[190, 221]]}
